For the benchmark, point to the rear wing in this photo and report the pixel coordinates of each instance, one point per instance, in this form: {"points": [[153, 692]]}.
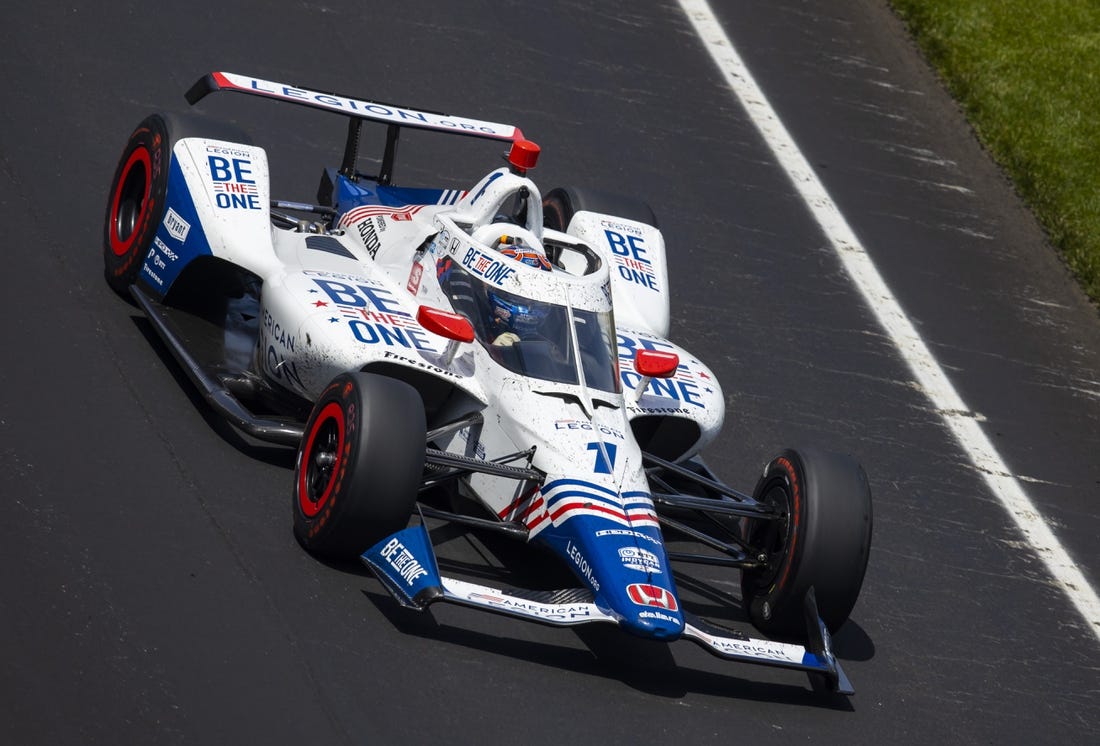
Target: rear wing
{"points": [[357, 110]]}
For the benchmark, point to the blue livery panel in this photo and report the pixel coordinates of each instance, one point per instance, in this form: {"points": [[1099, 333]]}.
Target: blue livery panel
{"points": [[405, 563], [351, 194], [179, 239]]}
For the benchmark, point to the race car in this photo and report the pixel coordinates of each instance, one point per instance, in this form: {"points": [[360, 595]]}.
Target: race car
{"points": [[431, 349]]}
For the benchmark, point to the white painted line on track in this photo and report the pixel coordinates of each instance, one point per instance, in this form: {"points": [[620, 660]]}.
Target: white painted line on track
{"points": [[928, 373]]}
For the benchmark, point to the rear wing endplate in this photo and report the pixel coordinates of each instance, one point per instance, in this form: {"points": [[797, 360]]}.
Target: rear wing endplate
{"points": [[357, 110]]}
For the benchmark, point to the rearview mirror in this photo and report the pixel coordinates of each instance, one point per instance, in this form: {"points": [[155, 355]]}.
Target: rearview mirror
{"points": [[655, 363], [453, 326]]}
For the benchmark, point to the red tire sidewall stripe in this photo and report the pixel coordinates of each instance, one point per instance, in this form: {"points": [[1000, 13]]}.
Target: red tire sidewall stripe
{"points": [[794, 527], [140, 154], [335, 411]]}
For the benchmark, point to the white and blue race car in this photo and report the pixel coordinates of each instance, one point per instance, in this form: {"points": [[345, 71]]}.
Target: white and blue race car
{"points": [[426, 348]]}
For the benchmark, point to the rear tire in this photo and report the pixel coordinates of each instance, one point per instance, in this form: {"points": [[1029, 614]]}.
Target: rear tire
{"points": [[136, 203], [822, 542], [138, 196], [359, 465], [561, 204]]}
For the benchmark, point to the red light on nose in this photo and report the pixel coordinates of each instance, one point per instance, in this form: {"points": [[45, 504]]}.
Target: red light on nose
{"points": [[523, 155]]}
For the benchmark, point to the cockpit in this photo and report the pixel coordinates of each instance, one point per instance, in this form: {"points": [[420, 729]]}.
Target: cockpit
{"points": [[539, 339]]}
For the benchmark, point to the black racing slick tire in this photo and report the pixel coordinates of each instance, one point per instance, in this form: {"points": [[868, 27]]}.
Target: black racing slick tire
{"points": [[138, 197], [136, 203], [561, 204], [359, 466], [822, 540]]}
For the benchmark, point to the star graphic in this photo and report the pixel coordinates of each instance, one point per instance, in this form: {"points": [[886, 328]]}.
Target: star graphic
{"points": [[704, 375], [333, 320], [314, 290], [319, 303]]}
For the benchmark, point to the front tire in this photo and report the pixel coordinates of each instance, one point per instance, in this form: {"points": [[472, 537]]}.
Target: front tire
{"points": [[821, 541], [359, 465]]}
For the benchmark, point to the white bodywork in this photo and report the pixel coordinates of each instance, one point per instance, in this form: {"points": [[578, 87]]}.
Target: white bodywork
{"points": [[348, 299]]}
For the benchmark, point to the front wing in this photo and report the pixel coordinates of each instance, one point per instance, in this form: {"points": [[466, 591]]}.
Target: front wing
{"points": [[406, 565]]}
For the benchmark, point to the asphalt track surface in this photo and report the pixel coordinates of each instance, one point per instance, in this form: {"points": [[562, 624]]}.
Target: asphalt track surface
{"points": [[150, 588]]}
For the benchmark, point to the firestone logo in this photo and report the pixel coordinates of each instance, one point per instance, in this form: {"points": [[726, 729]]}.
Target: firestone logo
{"points": [[645, 594]]}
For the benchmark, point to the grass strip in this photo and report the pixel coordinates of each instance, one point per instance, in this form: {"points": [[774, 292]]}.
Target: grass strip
{"points": [[1027, 73]]}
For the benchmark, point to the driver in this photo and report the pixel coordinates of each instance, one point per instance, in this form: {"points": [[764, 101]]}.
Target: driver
{"points": [[511, 320]]}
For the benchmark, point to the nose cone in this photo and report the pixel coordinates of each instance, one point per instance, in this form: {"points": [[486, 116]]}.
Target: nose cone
{"points": [[631, 581], [652, 612]]}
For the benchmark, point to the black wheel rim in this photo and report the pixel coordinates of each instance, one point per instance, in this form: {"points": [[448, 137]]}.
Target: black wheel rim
{"points": [[130, 200], [769, 539], [319, 471]]}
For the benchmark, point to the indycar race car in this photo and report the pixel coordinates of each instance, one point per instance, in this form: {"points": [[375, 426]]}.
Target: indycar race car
{"points": [[427, 350]]}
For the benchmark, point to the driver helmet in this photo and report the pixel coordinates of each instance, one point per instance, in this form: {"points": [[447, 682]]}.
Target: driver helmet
{"points": [[516, 248], [516, 316], [514, 242]]}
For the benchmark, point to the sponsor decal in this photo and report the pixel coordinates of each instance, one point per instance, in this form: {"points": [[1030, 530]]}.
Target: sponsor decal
{"points": [[440, 242], [223, 150], [658, 615], [627, 532], [369, 233], [557, 612], [277, 341], [588, 426], [582, 564], [179, 236], [415, 273], [605, 456], [163, 249], [234, 187], [408, 568], [685, 386], [645, 594], [621, 227], [419, 364], [177, 227], [277, 333], [394, 213], [146, 269], [659, 410], [687, 392], [776, 651], [634, 558], [373, 315], [157, 260], [405, 564], [464, 434], [384, 112], [629, 255], [483, 265]]}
